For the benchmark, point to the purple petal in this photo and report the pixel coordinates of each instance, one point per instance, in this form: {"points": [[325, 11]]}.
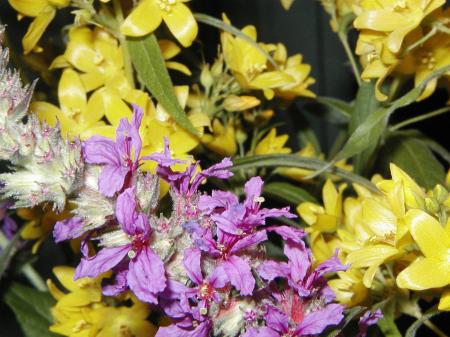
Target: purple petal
{"points": [[146, 277], [270, 270], [220, 170], [368, 319], [248, 241], [105, 260], [288, 233], [252, 190], [202, 330], [192, 264], [240, 275], [101, 150], [111, 179], [164, 159], [132, 222], [315, 322], [331, 265], [218, 278], [229, 221], [276, 319], [68, 229], [119, 285], [299, 259], [9, 227], [217, 200], [201, 237]]}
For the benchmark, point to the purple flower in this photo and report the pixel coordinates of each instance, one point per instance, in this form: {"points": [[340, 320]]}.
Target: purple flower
{"points": [[206, 289], [68, 229], [296, 317], [237, 218], [120, 159], [229, 251], [298, 270], [187, 183], [368, 319], [188, 320], [9, 227], [145, 273]]}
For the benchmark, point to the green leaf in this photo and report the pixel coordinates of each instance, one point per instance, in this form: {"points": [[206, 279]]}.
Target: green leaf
{"points": [[338, 110], [368, 133], [288, 193], [8, 249], [414, 157], [387, 323], [412, 330], [438, 149], [293, 160], [152, 72], [365, 105], [214, 22], [32, 309]]}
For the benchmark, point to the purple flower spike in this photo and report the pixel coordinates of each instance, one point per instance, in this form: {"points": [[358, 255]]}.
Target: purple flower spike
{"points": [[145, 273], [119, 158]]}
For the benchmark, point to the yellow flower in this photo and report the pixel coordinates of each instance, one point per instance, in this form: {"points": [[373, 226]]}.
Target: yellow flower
{"points": [[77, 115], [82, 311], [395, 18], [338, 9], [431, 271], [222, 140], [272, 144], [147, 16], [287, 4], [235, 103], [43, 12], [349, 288], [39, 223], [169, 50]]}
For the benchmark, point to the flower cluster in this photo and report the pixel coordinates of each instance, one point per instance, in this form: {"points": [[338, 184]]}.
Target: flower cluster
{"points": [[396, 238], [204, 264]]}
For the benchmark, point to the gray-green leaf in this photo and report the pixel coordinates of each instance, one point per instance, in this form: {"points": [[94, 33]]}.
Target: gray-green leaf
{"points": [[151, 70], [287, 193]]}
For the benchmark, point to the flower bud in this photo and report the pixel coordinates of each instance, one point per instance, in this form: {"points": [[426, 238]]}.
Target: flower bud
{"points": [[240, 103]]}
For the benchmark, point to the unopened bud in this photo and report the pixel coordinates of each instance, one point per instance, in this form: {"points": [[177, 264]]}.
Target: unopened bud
{"points": [[431, 205], [206, 78], [440, 193], [240, 103]]}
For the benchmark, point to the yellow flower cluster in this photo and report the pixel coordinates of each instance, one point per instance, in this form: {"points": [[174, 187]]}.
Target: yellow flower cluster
{"points": [[402, 37], [398, 238], [287, 78], [81, 310]]}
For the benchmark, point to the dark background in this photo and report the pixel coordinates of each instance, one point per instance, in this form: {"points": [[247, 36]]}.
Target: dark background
{"points": [[303, 29]]}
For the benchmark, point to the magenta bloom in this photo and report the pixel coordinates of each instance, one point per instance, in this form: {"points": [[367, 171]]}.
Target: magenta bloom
{"points": [[120, 159], [68, 229], [299, 273], [188, 319], [368, 319], [187, 183], [144, 271], [236, 218], [206, 288]]}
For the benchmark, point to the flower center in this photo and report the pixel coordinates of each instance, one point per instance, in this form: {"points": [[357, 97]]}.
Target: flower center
{"points": [[166, 5], [205, 291], [428, 60]]}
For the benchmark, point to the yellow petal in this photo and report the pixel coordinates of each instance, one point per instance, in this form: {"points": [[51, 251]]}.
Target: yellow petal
{"points": [[381, 220], [29, 7], [169, 49], [71, 93], [80, 50], [181, 23], [371, 255], [432, 239], [108, 103], [179, 67], [144, 19], [444, 303], [36, 29], [425, 274]]}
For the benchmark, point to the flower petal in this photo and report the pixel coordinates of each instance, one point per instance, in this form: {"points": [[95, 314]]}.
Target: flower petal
{"points": [[181, 23], [144, 19], [239, 274], [106, 259], [192, 264], [424, 274], [146, 276], [36, 29], [270, 270], [315, 322], [111, 179]]}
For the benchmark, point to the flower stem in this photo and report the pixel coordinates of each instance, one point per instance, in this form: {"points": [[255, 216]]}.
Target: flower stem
{"points": [[128, 66], [421, 41], [351, 57], [419, 118]]}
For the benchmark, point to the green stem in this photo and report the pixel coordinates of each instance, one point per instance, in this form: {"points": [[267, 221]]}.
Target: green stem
{"points": [[351, 57], [434, 328], [421, 41], [128, 65], [419, 118]]}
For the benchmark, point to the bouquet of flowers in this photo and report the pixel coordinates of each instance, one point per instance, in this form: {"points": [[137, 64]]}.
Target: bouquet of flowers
{"points": [[131, 206]]}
